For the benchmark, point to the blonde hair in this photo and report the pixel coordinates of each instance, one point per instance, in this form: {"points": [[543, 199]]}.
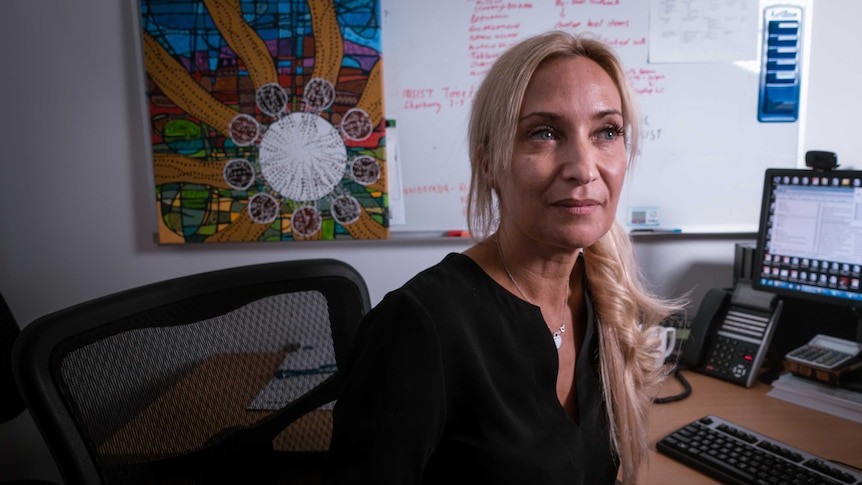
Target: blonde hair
{"points": [[625, 309]]}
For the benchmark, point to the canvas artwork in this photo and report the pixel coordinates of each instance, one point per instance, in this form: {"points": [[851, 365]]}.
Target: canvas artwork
{"points": [[266, 119]]}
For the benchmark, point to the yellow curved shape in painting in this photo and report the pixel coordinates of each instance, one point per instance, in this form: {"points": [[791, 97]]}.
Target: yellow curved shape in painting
{"points": [[243, 228], [372, 97], [328, 44], [170, 168], [166, 234], [367, 228], [248, 46], [180, 88]]}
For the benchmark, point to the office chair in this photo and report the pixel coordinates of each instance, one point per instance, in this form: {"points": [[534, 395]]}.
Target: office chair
{"points": [[222, 377], [11, 403]]}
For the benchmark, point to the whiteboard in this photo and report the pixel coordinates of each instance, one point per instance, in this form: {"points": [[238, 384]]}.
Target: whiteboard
{"points": [[697, 71]]}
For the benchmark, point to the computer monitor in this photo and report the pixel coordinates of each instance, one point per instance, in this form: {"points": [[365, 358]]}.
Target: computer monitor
{"points": [[809, 242]]}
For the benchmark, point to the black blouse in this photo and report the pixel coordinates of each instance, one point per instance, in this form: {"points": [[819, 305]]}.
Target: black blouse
{"points": [[453, 379]]}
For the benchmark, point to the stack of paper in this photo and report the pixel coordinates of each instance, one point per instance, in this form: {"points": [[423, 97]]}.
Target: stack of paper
{"points": [[812, 394]]}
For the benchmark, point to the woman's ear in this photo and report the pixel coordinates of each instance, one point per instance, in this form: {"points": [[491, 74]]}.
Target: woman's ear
{"points": [[482, 155]]}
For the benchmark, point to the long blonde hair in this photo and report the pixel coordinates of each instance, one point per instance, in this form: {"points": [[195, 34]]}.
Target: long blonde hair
{"points": [[624, 307]]}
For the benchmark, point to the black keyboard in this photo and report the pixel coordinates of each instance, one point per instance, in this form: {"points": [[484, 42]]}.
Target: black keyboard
{"points": [[733, 454]]}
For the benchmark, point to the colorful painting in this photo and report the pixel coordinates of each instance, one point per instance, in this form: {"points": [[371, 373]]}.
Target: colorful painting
{"points": [[266, 119]]}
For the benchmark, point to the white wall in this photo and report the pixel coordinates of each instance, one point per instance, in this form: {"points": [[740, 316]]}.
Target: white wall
{"points": [[834, 99], [76, 202]]}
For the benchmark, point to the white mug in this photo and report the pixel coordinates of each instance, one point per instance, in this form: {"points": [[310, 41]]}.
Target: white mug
{"points": [[666, 342]]}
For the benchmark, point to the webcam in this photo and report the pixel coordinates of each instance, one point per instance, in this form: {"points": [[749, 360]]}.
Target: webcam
{"points": [[819, 160]]}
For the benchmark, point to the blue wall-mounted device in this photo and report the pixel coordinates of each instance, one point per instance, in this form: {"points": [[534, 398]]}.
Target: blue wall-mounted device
{"points": [[780, 70]]}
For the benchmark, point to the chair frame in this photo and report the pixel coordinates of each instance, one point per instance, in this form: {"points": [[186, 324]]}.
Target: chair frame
{"points": [[34, 361]]}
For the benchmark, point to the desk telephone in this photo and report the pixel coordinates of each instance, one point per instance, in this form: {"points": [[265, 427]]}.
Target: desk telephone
{"points": [[731, 332]]}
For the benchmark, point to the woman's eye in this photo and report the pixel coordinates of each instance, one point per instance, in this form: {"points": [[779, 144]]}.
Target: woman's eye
{"points": [[611, 134], [542, 134]]}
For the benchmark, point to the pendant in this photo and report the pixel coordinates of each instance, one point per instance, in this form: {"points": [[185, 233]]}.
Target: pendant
{"points": [[558, 339]]}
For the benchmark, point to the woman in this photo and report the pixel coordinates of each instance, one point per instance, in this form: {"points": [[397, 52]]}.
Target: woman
{"points": [[524, 359]]}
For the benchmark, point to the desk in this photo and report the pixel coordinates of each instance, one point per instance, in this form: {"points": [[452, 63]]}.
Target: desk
{"points": [[211, 398], [236, 379], [819, 433]]}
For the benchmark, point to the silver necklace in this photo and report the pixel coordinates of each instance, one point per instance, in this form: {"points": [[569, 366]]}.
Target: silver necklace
{"points": [[558, 337]]}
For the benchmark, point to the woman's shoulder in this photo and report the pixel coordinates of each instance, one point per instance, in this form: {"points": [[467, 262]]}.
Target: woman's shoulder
{"points": [[455, 270], [453, 278], [446, 294]]}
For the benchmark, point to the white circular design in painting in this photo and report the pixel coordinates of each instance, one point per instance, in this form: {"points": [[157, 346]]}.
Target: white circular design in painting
{"points": [[302, 156], [306, 221], [243, 130], [271, 99], [365, 170], [238, 173], [356, 124], [319, 94], [263, 208], [346, 209]]}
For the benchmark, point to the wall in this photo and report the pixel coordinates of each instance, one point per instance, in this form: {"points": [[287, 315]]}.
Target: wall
{"points": [[77, 205], [430, 78]]}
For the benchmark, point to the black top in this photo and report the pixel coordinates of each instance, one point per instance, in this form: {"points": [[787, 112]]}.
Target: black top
{"points": [[453, 379]]}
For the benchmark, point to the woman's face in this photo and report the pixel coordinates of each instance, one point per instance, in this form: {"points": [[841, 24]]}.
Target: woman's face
{"points": [[569, 158]]}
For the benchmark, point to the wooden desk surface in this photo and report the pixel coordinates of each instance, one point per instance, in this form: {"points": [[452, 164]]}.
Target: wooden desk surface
{"points": [[815, 432], [819, 433], [214, 396]]}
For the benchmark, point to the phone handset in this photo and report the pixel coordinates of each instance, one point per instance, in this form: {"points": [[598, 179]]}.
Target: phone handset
{"points": [[708, 314], [731, 333]]}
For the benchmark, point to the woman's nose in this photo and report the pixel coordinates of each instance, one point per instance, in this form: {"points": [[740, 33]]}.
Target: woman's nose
{"points": [[579, 164]]}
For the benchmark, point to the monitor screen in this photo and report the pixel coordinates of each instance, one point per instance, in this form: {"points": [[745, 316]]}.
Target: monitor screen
{"points": [[809, 244]]}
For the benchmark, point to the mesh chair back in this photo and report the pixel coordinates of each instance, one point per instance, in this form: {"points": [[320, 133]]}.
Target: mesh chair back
{"points": [[211, 378]]}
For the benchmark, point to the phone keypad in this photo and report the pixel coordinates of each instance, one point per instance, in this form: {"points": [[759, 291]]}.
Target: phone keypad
{"points": [[730, 358]]}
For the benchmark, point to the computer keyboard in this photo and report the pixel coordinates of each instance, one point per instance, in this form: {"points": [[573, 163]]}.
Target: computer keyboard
{"points": [[733, 454]]}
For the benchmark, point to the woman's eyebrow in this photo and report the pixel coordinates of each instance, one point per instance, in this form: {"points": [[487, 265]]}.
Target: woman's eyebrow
{"points": [[551, 116], [607, 112], [540, 114]]}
